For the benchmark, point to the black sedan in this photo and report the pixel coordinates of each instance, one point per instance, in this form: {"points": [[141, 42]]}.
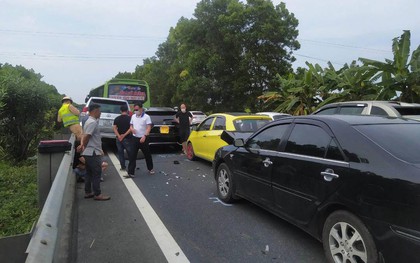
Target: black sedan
{"points": [[352, 182]]}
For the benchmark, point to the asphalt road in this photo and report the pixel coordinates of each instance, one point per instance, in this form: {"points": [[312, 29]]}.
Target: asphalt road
{"points": [[183, 194]]}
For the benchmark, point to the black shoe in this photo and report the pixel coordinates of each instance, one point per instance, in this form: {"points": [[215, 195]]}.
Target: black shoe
{"points": [[122, 169], [129, 176]]}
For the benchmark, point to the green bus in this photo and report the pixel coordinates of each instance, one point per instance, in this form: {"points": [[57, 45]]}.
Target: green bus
{"points": [[132, 90]]}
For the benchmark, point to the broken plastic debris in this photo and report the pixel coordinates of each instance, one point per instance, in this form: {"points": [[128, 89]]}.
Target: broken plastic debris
{"points": [[267, 249]]}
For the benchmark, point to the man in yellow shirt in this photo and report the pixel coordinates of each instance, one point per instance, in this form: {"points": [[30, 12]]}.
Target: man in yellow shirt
{"points": [[69, 116]]}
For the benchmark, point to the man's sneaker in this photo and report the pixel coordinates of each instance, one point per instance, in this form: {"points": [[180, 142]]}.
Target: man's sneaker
{"points": [[129, 176], [122, 169], [102, 197], [151, 172]]}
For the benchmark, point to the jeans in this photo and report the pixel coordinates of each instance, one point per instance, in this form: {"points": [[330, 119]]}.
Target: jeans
{"points": [[93, 174], [144, 147], [124, 144]]}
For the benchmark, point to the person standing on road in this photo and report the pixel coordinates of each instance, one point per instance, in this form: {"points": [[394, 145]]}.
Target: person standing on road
{"points": [[184, 119], [69, 116], [140, 126], [123, 132], [91, 148]]}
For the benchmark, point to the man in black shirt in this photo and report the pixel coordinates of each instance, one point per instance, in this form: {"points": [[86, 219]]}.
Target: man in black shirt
{"points": [[184, 119], [122, 131]]}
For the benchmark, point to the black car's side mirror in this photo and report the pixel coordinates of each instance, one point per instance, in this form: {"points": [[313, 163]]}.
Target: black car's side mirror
{"points": [[239, 142]]}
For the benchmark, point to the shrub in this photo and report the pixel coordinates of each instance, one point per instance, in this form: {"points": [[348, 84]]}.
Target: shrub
{"points": [[18, 198]]}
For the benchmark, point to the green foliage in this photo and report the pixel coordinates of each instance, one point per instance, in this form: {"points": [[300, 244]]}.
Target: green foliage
{"points": [[230, 48], [28, 113], [308, 89], [399, 78], [18, 199]]}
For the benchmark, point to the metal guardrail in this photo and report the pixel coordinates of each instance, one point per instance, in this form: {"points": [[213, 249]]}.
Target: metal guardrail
{"points": [[51, 240]]}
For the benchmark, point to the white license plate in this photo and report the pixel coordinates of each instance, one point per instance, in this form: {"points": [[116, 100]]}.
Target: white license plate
{"points": [[105, 123]]}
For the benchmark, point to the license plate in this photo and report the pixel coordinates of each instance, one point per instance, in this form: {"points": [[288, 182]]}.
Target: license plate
{"points": [[164, 129], [105, 123]]}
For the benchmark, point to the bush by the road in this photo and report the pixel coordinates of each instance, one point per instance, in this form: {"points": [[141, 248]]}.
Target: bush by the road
{"points": [[18, 198]]}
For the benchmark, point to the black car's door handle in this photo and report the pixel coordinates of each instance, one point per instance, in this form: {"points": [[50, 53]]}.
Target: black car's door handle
{"points": [[329, 175], [267, 162]]}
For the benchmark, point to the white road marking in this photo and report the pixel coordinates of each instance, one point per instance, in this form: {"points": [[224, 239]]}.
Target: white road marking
{"points": [[166, 242]]}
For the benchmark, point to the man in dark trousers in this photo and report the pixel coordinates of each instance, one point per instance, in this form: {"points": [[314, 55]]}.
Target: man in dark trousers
{"points": [[184, 118], [123, 132], [91, 148], [140, 126]]}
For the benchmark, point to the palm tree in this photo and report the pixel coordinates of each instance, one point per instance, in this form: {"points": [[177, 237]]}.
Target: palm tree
{"points": [[399, 78]]}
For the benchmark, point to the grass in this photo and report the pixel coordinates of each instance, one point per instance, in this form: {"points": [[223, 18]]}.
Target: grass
{"points": [[18, 198]]}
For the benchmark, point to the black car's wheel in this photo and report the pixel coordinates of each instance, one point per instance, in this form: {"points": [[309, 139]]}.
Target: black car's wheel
{"points": [[346, 240], [190, 152], [225, 184]]}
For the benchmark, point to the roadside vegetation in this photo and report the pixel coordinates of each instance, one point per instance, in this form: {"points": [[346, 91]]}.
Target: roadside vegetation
{"points": [[27, 115], [18, 198]]}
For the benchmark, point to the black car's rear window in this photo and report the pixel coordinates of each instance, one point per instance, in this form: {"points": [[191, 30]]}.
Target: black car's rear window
{"points": [[109, 106], [161, 113], [408, 110], [401, 140], [162, 117]]}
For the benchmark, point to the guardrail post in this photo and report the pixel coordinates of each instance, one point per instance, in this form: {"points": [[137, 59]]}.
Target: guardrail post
{"points": [[50, 154]]}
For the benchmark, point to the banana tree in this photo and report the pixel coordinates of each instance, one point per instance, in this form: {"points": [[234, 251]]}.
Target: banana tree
{"points": [[399, 78]]}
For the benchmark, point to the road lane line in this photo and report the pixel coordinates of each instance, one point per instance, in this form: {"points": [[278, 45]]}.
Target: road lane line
{"points": [[166, 242]]}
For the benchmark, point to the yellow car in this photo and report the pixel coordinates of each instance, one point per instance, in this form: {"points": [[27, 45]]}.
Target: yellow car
{"points": [[205, 139]]}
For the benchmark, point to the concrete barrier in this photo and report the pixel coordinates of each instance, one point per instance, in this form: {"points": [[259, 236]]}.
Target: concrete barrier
{"points": [[51, 239]]}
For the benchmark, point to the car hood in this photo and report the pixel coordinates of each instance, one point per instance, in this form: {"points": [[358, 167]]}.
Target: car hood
{"points": [[230, 136]]}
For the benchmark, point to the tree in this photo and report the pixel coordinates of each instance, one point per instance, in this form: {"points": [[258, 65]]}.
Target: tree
{"points": [[229, 49], [29, 111], [399, 78]]}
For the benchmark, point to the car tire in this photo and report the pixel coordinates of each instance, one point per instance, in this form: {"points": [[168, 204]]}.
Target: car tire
{"points": [[225, 184], [340, 247], [190, 152]]}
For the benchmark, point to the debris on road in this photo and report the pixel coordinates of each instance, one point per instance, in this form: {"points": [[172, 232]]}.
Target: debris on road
{"points": [[176, 162], [267, 249]]}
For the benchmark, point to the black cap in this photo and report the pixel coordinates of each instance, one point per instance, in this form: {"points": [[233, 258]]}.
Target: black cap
{"points": [[94, 106]]}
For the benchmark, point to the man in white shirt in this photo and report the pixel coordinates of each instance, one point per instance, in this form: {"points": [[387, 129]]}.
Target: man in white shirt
{"points": [[140, 126]]}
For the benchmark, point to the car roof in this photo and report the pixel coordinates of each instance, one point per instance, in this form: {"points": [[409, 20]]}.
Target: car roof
{"points": [[240, 114], [373, 102], [354, 119], [106, 99]]}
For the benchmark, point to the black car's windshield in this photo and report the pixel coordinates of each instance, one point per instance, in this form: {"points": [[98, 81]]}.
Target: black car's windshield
{"points": [[401, 140]]}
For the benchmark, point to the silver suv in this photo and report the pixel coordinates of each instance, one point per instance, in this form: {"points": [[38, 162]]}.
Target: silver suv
{"points": [[110, 109], [378, 108]]}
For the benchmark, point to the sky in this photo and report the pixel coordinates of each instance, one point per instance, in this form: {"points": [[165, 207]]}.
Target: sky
{"points": [[78, 45]]}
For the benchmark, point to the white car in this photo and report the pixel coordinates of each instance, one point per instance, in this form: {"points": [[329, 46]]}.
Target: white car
{"points": [[274, 115], [198, 117], [110, 109]]}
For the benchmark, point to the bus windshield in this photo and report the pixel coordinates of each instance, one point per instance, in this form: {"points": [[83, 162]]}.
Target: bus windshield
{"points": [[131, 93]]}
